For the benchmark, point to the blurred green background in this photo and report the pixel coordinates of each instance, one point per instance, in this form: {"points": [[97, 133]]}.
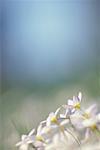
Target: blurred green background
{"points": [[50, 50]]}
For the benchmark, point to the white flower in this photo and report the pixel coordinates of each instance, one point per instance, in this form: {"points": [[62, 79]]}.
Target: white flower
{"points": [[26, 140], [74, 103], [66, 113], [91, 111], [55, 119], [40, 135], [86, 119], [44, 133], [90, 123], [90, 117], [56, 124]]}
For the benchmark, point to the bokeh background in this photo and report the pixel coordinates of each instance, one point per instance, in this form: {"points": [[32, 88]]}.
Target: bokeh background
{"points": [[50, 50]]}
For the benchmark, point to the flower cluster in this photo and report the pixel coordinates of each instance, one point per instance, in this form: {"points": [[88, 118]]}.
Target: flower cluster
{"points": [[70, 126]]}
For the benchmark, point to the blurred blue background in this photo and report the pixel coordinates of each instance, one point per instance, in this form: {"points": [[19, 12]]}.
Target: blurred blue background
{"points": [[49, 41], [48, 46]]}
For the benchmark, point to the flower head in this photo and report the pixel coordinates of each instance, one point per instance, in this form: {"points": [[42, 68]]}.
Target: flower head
{"points": [[74, 103]]}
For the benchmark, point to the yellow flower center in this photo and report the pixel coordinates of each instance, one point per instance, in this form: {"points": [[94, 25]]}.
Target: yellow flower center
{"points": [[39, 138], [77, 106], [86, 115], [93, 127], [54, 119]]}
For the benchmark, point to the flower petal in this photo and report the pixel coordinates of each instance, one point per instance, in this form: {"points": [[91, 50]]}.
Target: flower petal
{"points": [[31, 132], [70, 102], [80, 96], [92, 110]]}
